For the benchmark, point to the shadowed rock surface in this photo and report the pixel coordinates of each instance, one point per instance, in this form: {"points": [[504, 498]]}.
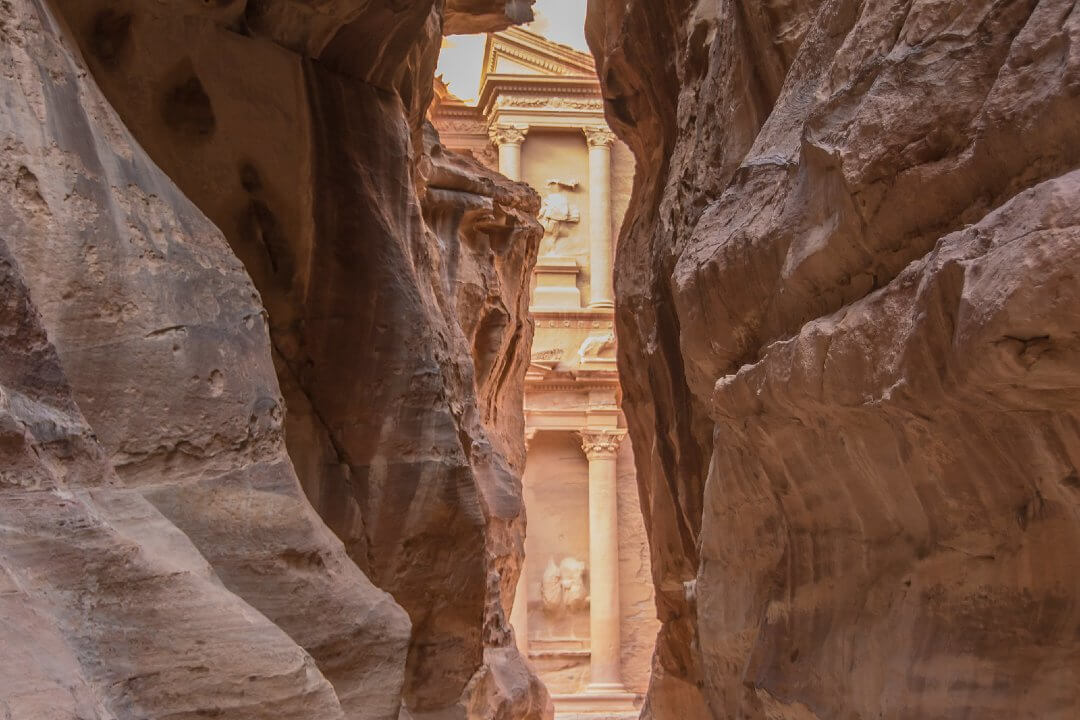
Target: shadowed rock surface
{"points": [[297, 129], [849, 325], [848, 337]]}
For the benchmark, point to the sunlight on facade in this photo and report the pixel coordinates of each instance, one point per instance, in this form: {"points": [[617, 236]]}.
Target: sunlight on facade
{"points": [[562, 21], [584, 609]]}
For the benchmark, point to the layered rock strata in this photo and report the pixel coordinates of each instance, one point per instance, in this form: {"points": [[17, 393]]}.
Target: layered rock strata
{"points": [[154, 524], [848, 331], [298, 131]]}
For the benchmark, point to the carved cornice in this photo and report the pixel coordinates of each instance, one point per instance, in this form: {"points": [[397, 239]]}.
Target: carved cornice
{"points": [[597, 380], [601, 443], [539, 85], [507, 134], [546, 85], [574, 320], [599, 137], [525, 58]]}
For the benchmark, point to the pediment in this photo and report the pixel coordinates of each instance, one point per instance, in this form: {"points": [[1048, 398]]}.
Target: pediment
{"points": [[509, 66], [517, 51]]}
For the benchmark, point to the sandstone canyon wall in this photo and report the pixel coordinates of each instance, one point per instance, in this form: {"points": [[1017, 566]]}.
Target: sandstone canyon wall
{"points": [[849, 333], [164, 554]]}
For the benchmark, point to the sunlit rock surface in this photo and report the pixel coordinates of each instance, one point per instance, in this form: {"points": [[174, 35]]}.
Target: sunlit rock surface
{"points": [[847, 312], [276, 157]]}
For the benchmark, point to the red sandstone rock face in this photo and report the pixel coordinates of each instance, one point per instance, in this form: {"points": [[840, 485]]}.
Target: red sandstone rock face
{"points": [[297, 129], [154, 531], [476, 16], [848, 331]]}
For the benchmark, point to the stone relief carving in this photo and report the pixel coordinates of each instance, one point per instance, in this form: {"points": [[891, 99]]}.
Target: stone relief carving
{"points": [[548, 355], [549, 103], [507, 134], [556, 213], [599, 136], [601, 443], [476, 127], [562, 588], [597, 347]]}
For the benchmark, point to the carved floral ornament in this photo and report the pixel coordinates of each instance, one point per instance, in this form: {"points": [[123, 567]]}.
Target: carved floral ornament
{"points": [[601, 443], [462, 126], [549, 103], [599, 137], [507, 134]]}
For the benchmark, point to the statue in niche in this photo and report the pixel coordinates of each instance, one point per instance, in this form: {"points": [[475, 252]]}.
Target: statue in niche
{"points": [[556, 213], [562, 588]]}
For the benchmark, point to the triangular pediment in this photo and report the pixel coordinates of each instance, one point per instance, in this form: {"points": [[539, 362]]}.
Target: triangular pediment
{"points": [[517, 51], [507, 66]]}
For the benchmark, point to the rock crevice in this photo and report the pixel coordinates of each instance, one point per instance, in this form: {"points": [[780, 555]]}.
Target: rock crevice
{"points": [[335, 517]]}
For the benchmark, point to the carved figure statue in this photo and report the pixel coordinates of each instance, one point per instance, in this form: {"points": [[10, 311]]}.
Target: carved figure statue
{"points": [[595, 347], [562, 588], [551, 588], [557, 212]]}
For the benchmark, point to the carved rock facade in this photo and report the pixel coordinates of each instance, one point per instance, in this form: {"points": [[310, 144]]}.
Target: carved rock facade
{"points": [[155, 527], [848, 320]]}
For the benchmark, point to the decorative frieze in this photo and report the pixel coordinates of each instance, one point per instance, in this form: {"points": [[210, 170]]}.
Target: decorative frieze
{"points": [[549, 102], [551, 355], [464, 127], [573, 323]]}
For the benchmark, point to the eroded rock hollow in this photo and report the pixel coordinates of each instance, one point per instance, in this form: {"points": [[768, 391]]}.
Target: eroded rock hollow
{"points": [[226, 229], [849, 334]]}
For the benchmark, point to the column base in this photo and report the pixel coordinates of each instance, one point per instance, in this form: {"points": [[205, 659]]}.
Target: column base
{"points": [[556, 284], [602, 305], [598, 702]]}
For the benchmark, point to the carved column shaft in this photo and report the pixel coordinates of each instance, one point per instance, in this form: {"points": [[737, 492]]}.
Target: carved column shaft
{"points": [[604, 611], [602, 293], [509, 139]]}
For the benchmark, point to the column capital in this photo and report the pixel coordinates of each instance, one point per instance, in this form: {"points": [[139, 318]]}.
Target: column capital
{"points": [[601, 443], [508, 134], [599, 136]]}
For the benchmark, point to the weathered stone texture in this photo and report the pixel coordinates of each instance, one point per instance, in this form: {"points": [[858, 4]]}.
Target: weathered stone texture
{"points": [[476, 16], [162, 338], [848, 337], [296, 128]]}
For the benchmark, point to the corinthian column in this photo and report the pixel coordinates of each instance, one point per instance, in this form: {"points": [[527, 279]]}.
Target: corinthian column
{"points": [[604, 614], [602, 293], [509, 139]]}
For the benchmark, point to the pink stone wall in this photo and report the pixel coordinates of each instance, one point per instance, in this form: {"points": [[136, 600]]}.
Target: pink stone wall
{"points": [[556, 500]]}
